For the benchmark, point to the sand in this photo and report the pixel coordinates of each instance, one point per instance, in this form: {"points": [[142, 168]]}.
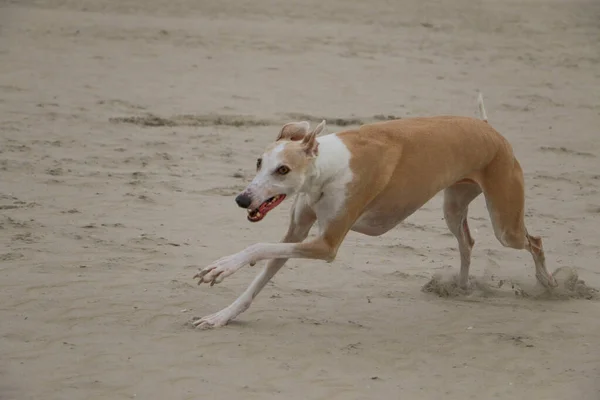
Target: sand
{"points": [[129, 126]]}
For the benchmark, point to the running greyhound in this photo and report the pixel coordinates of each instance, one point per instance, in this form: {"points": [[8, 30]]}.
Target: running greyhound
{"points": [[368, 180]]}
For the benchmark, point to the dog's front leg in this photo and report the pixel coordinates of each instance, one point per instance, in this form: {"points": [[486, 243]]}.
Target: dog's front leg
{"points": [[302, 219], [222, 268], [242, 303]]}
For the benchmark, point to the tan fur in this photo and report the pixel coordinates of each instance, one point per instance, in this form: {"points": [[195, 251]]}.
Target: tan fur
{"points": [[400, 165], [417, 158]]}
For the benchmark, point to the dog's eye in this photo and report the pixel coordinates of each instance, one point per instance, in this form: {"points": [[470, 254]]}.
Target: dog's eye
{"points": [[258, 163], [283, 170]]}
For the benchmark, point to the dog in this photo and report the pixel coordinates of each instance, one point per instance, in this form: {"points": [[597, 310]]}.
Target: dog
{"points": [[370, 179]]}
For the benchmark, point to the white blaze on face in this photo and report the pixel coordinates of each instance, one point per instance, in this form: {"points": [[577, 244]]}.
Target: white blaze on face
{"points": [[264, 176]]}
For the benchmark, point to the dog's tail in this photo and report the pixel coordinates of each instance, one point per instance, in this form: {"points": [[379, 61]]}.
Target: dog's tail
{"points": [[482, 113]]}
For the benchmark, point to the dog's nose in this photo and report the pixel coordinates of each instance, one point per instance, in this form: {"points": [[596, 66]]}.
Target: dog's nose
{"points": [[243, 200]]}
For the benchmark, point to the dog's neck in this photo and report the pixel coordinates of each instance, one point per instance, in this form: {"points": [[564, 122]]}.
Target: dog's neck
{"points": [[330, 164]]}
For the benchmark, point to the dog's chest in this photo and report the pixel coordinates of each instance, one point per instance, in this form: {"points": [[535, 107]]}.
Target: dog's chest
{"points": [[327, 204]]}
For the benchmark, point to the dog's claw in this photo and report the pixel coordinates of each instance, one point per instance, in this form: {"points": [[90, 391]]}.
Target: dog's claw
{"points": [[200, 274], [215, 279]]}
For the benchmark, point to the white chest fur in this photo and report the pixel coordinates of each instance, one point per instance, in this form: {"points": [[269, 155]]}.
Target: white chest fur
{"points": [[328, 188]]}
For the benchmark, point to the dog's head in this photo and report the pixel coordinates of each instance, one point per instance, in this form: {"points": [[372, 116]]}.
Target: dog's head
{"points": [[282, 170]]}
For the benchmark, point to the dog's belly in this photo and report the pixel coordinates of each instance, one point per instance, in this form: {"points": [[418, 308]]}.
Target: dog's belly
{"points": [[376, 222]]}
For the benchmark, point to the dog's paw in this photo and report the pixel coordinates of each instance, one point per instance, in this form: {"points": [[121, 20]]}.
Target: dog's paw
{"points": [[217, 271], [215, 320]]}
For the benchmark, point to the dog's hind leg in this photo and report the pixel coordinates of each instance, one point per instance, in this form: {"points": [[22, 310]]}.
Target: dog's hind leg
{"points": [[302, 219], [456, 203], [503, 187]]}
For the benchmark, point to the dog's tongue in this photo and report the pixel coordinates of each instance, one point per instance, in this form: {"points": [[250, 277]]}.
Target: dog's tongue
{"points": [[264, 208]]}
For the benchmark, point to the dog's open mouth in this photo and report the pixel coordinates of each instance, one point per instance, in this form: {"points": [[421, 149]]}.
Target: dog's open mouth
{"points": [[256, 214]]}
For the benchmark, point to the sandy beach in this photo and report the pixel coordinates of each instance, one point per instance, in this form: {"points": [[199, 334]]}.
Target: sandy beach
{"points": [[128, 127]]}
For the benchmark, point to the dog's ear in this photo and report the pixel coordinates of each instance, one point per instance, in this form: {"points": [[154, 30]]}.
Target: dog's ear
{"points": [[293, 131], [311, 146]]}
